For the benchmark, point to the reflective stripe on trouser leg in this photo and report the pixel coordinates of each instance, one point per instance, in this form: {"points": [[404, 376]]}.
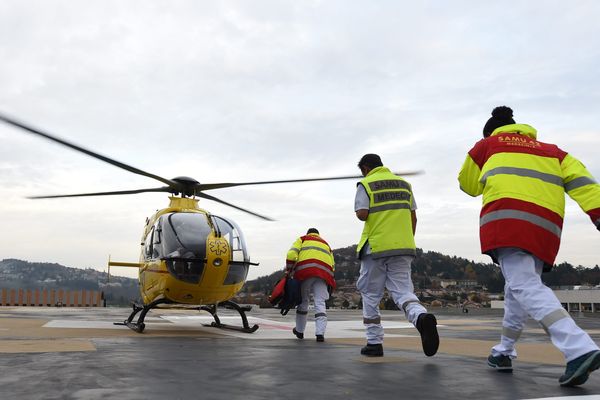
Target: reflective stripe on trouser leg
{"points": [[522, 272], [566, 335], [512, 326], [371, 283], [399, 285], [321, 295]]}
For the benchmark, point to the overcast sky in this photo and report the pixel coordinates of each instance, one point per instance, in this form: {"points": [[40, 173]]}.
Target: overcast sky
{"points": [[263, 90]]}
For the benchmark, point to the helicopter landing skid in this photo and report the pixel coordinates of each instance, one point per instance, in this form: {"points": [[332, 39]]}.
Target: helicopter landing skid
{"points": [[246, 328], [139, 325]]}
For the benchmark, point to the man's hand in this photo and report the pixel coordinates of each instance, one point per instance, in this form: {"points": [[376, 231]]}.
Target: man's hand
{"points": [[362, 214]]}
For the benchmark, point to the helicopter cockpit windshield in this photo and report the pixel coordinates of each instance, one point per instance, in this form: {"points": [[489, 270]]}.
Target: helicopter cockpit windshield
{"points": [[180, 240], [184, 235]]}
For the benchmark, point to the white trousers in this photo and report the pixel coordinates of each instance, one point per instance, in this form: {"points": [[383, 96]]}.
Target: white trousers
{"points": [[526, 295], [392, 273], [318, 288]]}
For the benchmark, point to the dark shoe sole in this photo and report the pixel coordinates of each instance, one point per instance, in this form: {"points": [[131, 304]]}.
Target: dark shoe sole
{"points": [[500, 369], [581, 375], [429, 335], [372, 354]]}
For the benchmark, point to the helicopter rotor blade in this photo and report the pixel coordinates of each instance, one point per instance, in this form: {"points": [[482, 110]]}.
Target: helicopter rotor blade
{"points": [[90, 153], [210, 186], [209, 197], [162, 189]]}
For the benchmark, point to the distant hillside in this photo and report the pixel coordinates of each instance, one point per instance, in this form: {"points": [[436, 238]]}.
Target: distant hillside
{"points": [[430, 271], [28, 275], [427, 266], [431, 266]]}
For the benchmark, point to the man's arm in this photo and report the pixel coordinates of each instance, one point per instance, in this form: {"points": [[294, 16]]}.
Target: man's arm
{"points": [[413, 216], [581, 186], [468, 177], [292, 254], [361, 203]]}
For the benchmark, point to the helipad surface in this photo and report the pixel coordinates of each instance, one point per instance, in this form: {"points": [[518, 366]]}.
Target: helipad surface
{"points": [[50, 353]]}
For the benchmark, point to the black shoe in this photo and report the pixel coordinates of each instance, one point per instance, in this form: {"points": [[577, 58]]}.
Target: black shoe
{"points": [[427, 327], [578, 370], [320, 338], [299, 335], [501, 363], [372, 350]]}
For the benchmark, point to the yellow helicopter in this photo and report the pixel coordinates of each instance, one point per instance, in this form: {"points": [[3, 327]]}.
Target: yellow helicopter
{"points": [[189, 256]]}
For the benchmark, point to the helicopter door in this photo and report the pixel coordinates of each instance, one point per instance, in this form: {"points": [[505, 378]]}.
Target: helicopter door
{"points": [[183, 244], [240, 261]]}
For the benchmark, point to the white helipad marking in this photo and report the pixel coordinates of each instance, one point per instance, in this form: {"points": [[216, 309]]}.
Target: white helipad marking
{"points": [[81, 324], [268, 329], [91, 324]]}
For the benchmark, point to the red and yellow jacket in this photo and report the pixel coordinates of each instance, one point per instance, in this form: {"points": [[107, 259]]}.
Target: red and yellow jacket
{"points": [[312, 257], [523, 182]]}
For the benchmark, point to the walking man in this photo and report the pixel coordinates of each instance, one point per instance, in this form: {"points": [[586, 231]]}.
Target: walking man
{"points": [[386, 249], [310, 260], [523, 182]]}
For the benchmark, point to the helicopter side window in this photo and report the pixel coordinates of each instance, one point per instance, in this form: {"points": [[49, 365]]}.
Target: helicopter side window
{"points": [[232, 233], [156, 250], [148, 244], [238, 267]]}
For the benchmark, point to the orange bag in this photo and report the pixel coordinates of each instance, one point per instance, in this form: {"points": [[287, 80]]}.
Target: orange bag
{"points": [[278, 291]]}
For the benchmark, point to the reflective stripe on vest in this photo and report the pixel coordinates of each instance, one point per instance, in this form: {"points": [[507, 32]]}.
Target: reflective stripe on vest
{"points": [[314, 265], [524, 172], [322, 250], [522, 215], [388, 227], [314, 259], [579, 182]]}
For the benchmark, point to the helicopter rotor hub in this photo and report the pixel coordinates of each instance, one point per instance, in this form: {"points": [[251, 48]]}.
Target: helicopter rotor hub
{"points": [[186, 185]]}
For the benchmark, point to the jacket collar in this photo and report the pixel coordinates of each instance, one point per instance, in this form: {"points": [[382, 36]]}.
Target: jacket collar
{"points": [[521, 129], [378, 169]]}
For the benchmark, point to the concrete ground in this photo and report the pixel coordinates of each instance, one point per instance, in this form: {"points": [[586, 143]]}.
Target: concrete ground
{"points": [[77, 353]]}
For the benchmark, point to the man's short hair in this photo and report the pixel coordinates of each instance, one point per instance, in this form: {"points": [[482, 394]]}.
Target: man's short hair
{"points": [[370, 160], [312, 230]]}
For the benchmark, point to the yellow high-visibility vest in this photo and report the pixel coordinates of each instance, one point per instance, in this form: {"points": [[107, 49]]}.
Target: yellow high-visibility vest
{"points": [[311, 256], [523, 182], [388, 227]]}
